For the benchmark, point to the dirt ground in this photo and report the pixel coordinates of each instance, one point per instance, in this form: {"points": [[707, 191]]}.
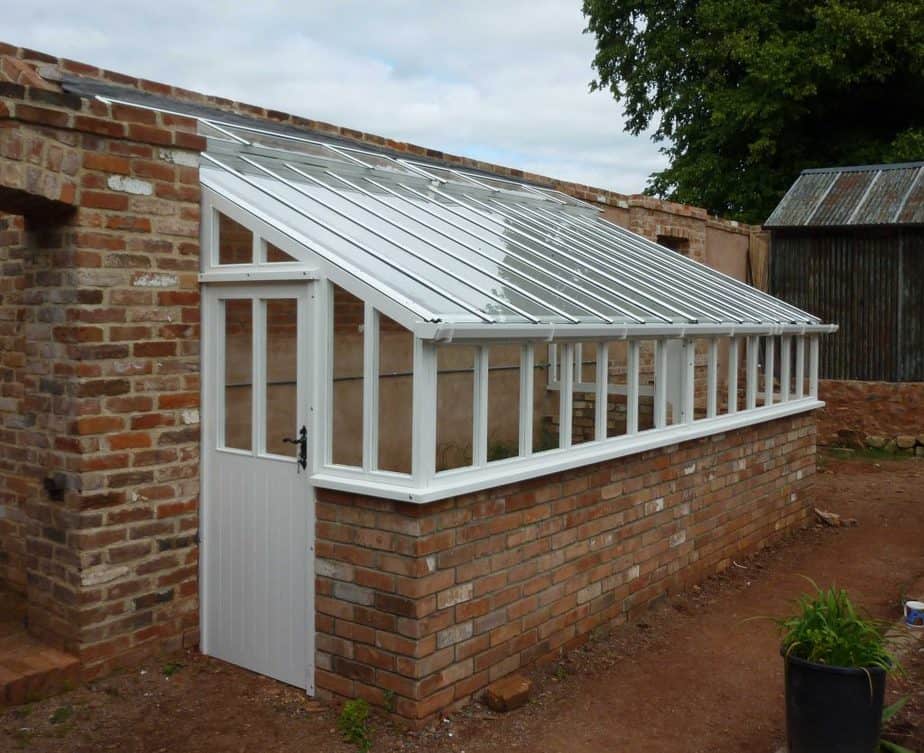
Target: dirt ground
{"points": [[692, 676]]}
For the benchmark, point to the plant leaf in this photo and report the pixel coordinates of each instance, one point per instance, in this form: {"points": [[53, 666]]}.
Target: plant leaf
{"points": [[889, 711], [890, 747]]}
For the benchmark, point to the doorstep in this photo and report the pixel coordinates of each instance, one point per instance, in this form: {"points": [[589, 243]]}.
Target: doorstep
{"points": [[29, 669]]}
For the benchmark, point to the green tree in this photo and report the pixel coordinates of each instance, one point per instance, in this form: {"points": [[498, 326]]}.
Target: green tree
{"points": [[747, 93]]}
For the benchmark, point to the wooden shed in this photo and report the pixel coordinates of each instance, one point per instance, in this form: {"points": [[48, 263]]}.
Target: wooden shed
{"points": [[847, 244]]}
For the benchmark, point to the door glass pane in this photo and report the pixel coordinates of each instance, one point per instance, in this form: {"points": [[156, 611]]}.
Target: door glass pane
{"points": [[281, 367], [235, 242], [238, 373]]}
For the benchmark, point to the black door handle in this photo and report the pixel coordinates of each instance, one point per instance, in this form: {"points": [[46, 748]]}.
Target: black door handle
{"points": [[302, 441]]}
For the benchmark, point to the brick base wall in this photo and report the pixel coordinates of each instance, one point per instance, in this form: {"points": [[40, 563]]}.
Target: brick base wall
{"points": [[870, 408], [433, 602]]}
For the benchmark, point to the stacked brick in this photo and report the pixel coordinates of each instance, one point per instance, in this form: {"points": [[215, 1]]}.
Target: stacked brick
{"points": [[431, 603], [15, 485], [101, 389], [855, 411]]}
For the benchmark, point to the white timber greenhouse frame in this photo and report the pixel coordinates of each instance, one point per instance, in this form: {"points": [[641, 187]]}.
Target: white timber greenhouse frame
{"points": [[459, 257]]}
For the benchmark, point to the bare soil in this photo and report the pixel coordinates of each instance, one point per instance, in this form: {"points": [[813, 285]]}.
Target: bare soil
{"points": [[691, 676]]}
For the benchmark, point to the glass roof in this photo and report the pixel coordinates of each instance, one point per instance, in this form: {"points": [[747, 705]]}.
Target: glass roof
{"points": [[469, 248]]}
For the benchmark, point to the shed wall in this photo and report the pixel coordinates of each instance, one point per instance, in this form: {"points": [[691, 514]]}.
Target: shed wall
{"points": [[869, 281]]}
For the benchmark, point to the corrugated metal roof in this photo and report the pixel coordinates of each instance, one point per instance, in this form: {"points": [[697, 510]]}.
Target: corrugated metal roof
{"points": [[853, 196]]}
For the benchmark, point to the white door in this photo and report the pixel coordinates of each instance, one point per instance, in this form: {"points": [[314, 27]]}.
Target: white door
{"points": [[257, 514]]}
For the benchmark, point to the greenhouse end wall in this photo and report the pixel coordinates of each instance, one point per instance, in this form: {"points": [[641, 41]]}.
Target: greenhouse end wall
{"points": [[434, 602]]}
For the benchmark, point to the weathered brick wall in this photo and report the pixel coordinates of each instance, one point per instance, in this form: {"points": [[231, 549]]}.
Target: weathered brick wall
{"points": [[882, 409], [110, 318], [15, 483], [433, 602]]}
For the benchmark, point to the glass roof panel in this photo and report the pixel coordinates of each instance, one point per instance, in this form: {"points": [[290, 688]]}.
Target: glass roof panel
{"points": [[464, 253]]}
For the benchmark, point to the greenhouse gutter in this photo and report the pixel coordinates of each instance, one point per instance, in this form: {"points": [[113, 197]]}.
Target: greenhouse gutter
{"points": [[443, 332]]}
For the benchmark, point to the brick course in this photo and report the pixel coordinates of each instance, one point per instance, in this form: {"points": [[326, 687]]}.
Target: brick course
{"points": [[434, 602]]}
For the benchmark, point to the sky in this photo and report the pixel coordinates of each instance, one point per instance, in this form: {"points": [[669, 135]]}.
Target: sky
{"points": [[500, 80]]}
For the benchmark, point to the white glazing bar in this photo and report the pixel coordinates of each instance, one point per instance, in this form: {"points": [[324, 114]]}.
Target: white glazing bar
{"points": [[602, 384], [785, 367], [632, 387], [370, 388], [813, 365], [566, 396], [733, 363], [527, 365], [660, 377], [769, 367], [423, 440], [688, 381], [712, 377], [552, 376], [480, 407], [578, 363], [750, 399], [800, 367]]}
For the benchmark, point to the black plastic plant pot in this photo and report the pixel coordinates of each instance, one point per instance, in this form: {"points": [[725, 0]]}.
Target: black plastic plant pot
{"points": [[832, 709]]}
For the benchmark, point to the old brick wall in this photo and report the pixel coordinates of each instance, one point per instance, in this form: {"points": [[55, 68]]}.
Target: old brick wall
{"points": [[883, 409], [109, 313], [433, 602], [16, 483]]}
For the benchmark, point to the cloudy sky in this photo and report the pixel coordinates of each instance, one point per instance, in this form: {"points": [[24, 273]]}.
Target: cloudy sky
{"points": [[502, 80]]}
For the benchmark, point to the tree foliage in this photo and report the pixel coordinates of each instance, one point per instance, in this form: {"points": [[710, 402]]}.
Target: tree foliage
{"points": [[747, 93]]}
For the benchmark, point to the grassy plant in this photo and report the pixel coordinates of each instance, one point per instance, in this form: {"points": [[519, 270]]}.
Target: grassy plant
{"points": [[391, 701], [887, 746], [61, 714], [171, 668], [827, 629], [354, 724]]}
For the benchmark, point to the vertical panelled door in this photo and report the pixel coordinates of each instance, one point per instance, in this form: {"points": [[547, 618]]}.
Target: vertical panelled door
{"points": [[258, 506]]}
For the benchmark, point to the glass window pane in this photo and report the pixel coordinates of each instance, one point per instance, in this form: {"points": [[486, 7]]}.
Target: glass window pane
{"points": [[275, 254], [238, 373], [646, 384], [455, 384], [281, 368], [617, 402], [347, 392], [503, 402], [546, 400], [396, 366], [584, 406], [235, 242]]}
